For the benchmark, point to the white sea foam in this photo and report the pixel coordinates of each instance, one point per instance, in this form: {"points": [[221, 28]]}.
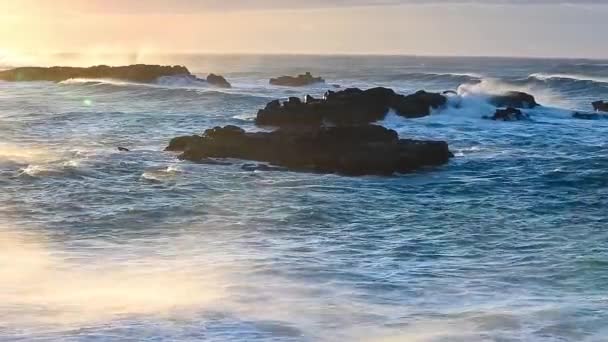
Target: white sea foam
{"points": [[27, 153], [183, 82], [161, 175], [42, 285], [575, 77]]}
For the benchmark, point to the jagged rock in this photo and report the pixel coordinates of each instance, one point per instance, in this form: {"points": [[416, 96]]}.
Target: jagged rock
{"points": [[218, 81], [298, 81], [515, 99], [350, 150], [508, 114], [418, 104], [135, 73], [600, 106], [351, 106]]}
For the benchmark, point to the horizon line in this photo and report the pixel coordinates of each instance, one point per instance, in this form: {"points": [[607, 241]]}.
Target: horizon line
{"points": [[314, 54]]}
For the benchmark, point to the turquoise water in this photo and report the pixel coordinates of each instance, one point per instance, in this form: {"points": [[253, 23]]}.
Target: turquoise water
{"points": [[507, 242]]}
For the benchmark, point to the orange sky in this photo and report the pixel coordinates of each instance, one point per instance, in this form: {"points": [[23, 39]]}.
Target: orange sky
{"points": [[39, 26]]}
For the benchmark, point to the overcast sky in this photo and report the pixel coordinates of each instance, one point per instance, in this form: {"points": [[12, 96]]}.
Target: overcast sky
{"points": [[557, 28]]}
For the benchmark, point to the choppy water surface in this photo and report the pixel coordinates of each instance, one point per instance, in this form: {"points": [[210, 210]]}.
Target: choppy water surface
{"points": [[506, 243]]}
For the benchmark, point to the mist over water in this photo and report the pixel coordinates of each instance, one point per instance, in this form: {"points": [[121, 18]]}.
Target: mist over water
{"points": [[505, 243]]}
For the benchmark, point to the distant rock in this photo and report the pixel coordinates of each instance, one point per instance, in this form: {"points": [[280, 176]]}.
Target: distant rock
{"points": [[140, 73], [600, 106], [298, 81], [123, 149], [349, 150], [351, 106], [508, 114], [218, 81], [515, 99]]}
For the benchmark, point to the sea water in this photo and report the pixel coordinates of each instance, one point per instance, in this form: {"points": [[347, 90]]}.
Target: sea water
{"points": [[507, 242]]}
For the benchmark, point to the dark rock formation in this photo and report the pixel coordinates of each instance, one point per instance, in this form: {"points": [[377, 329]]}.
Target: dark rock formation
{"points": [[508, 114], [350, 150], [123, 149], [348, 107], [589, 116], [135, 73], [600, 106], [515, 99], [298, 81], [218, 81]]}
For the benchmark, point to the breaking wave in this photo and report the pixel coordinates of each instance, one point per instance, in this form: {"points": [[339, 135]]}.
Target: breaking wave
{"points": [[573, 77]]}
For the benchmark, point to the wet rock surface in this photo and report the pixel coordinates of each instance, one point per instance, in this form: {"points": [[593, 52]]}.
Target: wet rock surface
{"points": [[141, 73], [348, 150], [351, 106]]}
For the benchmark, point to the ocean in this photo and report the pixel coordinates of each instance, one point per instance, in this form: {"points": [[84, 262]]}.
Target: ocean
{"points": [[507, 242]]}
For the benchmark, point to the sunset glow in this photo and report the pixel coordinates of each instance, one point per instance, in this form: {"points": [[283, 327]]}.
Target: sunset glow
{"points": [[35, 27]]}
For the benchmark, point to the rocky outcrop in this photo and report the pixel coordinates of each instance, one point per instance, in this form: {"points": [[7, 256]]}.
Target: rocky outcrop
{"points": [[140, 73], [349, 150], [508, 114], [298, 81], [351, 106], [600, 106], [218, 81], [515, 99]]}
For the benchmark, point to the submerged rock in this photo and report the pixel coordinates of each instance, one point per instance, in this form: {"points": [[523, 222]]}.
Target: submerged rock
{"points": [[508, 114], [348, 107], [123, 149], [135, 73], [218, 81], [298, 81], [515, 99], [589, 116], [600, 106], [350, 150]]}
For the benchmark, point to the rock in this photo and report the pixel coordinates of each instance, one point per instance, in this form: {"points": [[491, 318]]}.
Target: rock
{"points": [[135, 73], [218, 81], [508, 114], [123, 149], [180, 143], [298, 81], [589, 116], [351, 106], [515, 99], [418, 104], [261, 167], [350, 150], [600, 106]]}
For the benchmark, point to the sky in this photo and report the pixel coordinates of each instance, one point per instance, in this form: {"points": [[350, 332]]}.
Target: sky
{"points": [[530, 28]]}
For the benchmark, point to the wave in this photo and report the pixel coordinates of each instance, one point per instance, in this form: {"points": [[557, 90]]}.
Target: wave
{"points": [[574, 77], [187, 82], [546, 96], [27, 154], [437, 77], [161, 175]]}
